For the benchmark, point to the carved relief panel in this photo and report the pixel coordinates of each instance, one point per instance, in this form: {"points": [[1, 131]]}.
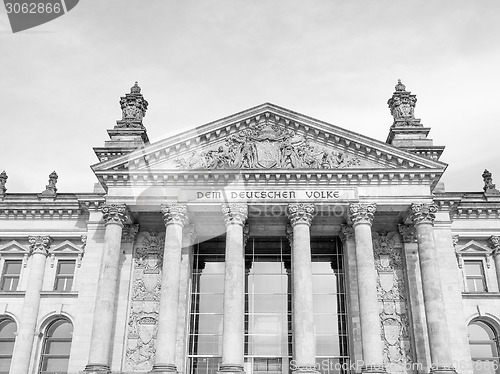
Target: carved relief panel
{"points": [[392, 294], [268, 143], [144, 303]]}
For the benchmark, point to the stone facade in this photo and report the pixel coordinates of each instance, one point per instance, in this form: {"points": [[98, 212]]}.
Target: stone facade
{"points": [[420, 264]]}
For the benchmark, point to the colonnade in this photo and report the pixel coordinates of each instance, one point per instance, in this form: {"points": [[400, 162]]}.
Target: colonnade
{"points": [[300, 216]]}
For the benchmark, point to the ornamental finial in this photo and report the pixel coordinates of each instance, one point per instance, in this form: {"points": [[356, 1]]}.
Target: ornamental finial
{"points": [[402, 105], [135, 89], [489, 187], [400, 86], [51, 188], [3, 182]]}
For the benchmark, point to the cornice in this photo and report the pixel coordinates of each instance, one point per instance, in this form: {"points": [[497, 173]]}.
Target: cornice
{"points": [[468, 205], [32, 206], [296, 177]]}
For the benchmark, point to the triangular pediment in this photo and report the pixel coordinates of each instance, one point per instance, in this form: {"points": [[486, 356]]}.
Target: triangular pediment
{"points": [[473, 247], [66, 248], [271, 138], [13, 248]]}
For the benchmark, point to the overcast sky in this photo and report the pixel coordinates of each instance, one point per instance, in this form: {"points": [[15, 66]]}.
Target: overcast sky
{"points": [[197, 61]]}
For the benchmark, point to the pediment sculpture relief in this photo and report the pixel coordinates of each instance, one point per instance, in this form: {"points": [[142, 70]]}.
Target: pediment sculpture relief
{"points": [[267, 145]]}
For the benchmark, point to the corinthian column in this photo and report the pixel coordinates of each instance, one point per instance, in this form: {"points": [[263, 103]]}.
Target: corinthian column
{"points": [[423, 216], [361, 216], [114, 216], [21, 357], [175, 217], [495, 244], [301, 216], [233, 341]]}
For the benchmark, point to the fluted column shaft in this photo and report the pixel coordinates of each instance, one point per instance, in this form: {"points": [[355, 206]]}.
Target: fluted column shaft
{"points": [[175, 217], [423, 216], [21, 356], [301, 216], [114, 216], [233, 339], [361, 216], [495, 244]]}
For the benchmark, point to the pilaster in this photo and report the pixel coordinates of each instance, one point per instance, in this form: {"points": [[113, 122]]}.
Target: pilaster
{"points": [[419, 324]]}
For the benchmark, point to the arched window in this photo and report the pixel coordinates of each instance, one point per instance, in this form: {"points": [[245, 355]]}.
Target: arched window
{"points": [[7, 338], [483, 345], [56, 347]]}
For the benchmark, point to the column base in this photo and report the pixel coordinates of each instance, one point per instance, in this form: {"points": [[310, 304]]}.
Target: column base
{"points": [[305, 369], [164, 369], [374, 369], [231, 368], [96, 369], [443, 370]]}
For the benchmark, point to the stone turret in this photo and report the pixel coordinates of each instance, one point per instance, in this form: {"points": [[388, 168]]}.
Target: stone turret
{"points": [[129, 133], [406, 131]]}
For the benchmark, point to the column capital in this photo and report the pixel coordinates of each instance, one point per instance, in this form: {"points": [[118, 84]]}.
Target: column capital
{"points": [[362, 213], [423, 213], [346, 233], [300, 213], [408, 233], [495, 244], [235, 214], [175, 214], [115, 213], [39, 244]]}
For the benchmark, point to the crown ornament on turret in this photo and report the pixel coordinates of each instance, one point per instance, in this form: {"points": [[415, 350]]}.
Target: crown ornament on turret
{"points": [[134, 108], [402, 105], [489, 187]]}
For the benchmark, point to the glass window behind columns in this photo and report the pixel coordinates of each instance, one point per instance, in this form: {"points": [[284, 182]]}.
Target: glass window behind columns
{"points": [[268, 298], [329, 298], [205, 343], [268, 335]]}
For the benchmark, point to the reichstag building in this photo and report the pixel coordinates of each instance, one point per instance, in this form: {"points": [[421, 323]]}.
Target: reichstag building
{"points": [[265, 242]]}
